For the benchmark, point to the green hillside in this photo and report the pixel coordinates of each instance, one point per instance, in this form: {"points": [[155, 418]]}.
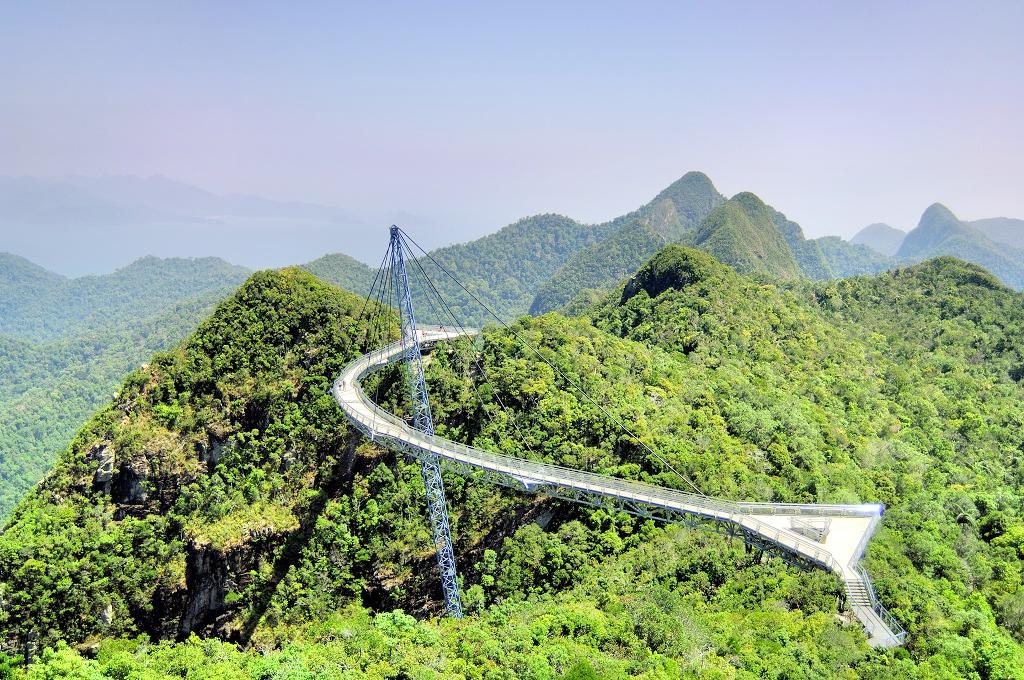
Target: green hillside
{"points": [[48, 390], [692, 196], [940, 233], [222, 493], [807, 253], [68, 307], [343, 271], [847, 259], [592, 269], [630, 240], [21, 280], [742, 233], [67, 343]]}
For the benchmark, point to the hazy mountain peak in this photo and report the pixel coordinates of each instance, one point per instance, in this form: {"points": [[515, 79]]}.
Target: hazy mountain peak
{"points": [[881, 237], [937, 224], [937, 215], [694, 196], [15, 269]]}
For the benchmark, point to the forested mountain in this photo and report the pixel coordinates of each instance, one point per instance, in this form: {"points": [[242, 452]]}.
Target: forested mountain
{"points": [[591, 270], [503, 269], [65, 345], [743, 232], [509, 266], [17, 272], [853, 259], [21, 280], [880, 237], [223, 493], [671, 216], [751, 236], [51, 309], [940, 233], [343, 271], [1002, 229]]}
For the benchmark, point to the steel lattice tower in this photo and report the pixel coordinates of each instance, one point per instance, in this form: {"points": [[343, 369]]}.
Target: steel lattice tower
{"points": [[437, 507]]}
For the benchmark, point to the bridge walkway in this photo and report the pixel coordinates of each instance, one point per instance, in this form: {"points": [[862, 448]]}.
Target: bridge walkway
{"points": [[773, 526]]}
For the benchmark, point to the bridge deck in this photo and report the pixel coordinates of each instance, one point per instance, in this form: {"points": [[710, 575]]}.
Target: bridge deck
{"points": [[850, 526]]}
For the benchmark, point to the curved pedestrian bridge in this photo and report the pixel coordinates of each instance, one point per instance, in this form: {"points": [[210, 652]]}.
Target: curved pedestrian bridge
{"points": [[831, 537]]}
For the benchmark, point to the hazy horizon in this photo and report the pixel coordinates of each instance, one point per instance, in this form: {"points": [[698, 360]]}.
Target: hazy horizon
{"points": [[459, 120]]}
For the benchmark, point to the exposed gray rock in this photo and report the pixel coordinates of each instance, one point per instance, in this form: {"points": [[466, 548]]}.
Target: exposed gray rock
{"points": [[103, 454], [129, 485], [211, 452], [206, 576], [107, 614]]}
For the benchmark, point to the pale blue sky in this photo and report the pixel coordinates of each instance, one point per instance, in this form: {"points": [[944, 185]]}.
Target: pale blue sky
{"points": [[467, 116]]}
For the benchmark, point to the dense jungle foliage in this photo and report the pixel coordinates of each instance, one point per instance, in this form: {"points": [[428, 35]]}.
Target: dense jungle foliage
{"points": [[65, 346], [54, 308], [48, 390], [220, 519], [593, 268], [847, 259]]}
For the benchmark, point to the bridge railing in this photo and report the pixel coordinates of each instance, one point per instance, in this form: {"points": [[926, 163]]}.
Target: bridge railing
{"points": [[899, 633], [534, 473], [539, 474], [832, 510]]}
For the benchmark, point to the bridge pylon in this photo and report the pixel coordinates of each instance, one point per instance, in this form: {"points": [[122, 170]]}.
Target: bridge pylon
{"points": [[437, 506]]}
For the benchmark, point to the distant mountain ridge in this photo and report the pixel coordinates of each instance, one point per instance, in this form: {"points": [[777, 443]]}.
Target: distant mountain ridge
{"points": [[132, 216], [45, 306], [743, 232], [940, 233], [1002, 229]]}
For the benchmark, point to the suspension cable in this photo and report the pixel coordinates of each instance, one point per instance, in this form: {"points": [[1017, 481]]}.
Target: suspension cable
{"points": [[386, 285], [476, 360], [614, 419], [372, 286]]}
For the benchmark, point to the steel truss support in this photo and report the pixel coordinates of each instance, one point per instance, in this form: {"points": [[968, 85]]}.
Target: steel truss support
{"points": [[652, 512], [437, 506]]}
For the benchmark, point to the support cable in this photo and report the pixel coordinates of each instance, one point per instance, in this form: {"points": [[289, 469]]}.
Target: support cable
{"points": [[618, 422], [382, 315], [450, 315], [372, 286], [476, 360]]}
